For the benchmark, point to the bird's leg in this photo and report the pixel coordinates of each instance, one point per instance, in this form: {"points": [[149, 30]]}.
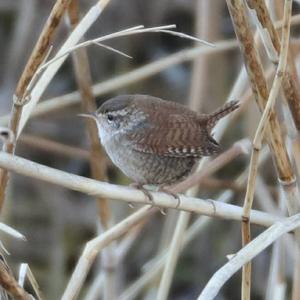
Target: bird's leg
{"points": [[147, 194], [163, 189]]}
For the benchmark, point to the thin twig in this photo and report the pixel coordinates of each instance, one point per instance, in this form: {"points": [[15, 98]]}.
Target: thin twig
{"points": [[126, 32]]}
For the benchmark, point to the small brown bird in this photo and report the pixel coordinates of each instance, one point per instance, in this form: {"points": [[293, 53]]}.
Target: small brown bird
{"points": [[154, 141]]}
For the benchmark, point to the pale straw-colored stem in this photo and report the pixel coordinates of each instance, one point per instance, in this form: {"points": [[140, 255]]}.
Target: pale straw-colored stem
{"points": [[246, 254], [37, 56], [122, 193], [42, 83], [94, 246], [97, 156], [259, 136]]}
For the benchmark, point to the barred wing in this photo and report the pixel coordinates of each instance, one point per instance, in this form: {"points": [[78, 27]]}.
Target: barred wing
{"points": [[176, 136]]}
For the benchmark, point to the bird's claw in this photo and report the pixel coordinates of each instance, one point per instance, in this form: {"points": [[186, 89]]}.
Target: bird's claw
{"points": [[148, 195]]}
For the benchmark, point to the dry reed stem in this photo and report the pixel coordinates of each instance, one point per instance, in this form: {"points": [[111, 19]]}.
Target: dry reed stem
{"points": [[94, 246], [121, 250], [176, 244], [173, 253], [282, 248], [216, 184], [296, 277], [93, 290], [44, 80], [9, 283], [294, 138], [259, 136], [25, 272], [259, 86], [247, 253], [276, 287], [44, 144], [206, 19], [97, 156], [156, 264], [126, 32], [39, 52], [264, 197], [116, 192], [84, 81], [41, 48], [289, 81], [12, 232]]}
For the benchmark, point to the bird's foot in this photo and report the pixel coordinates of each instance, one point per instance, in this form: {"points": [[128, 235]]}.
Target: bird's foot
{"points": [[142, 189], [162, 189], [147, 194]]}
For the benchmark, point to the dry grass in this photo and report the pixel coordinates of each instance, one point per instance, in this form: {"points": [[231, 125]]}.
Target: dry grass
{"points": [[116, 238]]}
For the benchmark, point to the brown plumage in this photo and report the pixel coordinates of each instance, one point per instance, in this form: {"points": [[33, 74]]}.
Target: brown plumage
{"points": [[176, 131], [155, 141]]}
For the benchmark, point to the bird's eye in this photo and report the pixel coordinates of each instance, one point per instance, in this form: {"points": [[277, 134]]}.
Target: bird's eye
{"points": [[110, 117]]}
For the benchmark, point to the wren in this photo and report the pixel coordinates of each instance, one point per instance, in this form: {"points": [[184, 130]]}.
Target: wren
{"points": [[153, 141]]}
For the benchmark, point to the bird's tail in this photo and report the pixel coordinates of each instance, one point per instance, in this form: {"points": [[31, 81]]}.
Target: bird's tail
{"points": [[227, 108]]}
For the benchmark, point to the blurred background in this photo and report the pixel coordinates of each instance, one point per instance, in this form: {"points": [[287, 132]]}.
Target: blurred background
{"points": [[58, 222]]}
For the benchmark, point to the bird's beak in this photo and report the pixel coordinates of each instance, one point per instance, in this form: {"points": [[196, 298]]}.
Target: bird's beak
{"points": [[92, 115]]}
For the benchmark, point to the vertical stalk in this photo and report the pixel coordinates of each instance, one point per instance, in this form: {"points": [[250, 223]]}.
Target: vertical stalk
{"points": [[264, 100], [289, 83], [97, 156], [20, 98]]}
